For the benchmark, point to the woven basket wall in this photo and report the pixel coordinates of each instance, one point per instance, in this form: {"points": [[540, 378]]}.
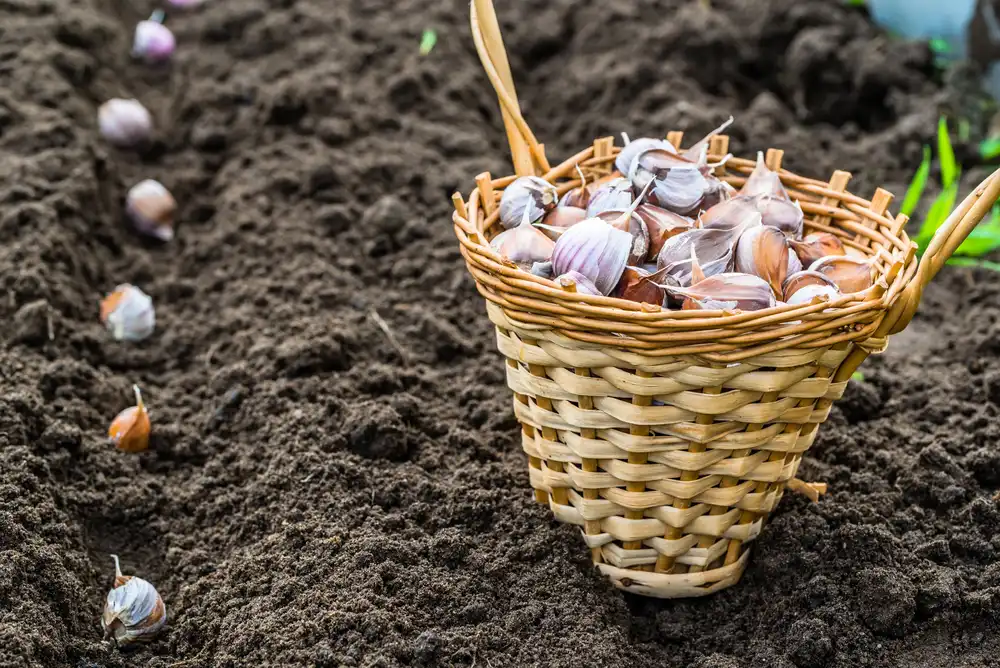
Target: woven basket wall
{"points": [[668, 436]]}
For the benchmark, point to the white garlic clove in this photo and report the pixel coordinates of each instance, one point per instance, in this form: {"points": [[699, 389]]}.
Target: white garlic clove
{"points": [[151, 208], [574, 281], [802, 279], [763, 181], [763, 252], [807, 293], [794, 264], [526, 194], [636, 146], [153, 41], [677, 184], [596, 250], [128, 313], [124, 123], [714, 249], [635, 227], [133, 610], [523, 245], [613, 195]]}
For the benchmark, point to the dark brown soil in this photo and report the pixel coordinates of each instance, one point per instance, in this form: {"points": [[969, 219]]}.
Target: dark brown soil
{"points": [[314, 497]]}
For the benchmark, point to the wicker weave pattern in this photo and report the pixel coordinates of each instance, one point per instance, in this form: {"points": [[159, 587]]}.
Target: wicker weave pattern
{"points": [[668, 436]]}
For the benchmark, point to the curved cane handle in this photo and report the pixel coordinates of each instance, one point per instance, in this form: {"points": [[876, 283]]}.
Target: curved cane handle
{"points": [[527, 154], [946, 241]]}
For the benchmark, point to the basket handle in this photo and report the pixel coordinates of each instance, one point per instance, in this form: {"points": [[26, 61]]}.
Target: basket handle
{"points": [[527, 154], [946, 241]]}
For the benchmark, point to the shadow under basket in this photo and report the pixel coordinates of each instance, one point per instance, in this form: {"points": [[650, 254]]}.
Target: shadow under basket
{"points": [[669, 436]]}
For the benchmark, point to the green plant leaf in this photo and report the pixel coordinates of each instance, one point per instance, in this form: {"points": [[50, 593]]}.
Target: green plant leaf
{"points": [[936, 215], [970, 262], [990, 148], [858, 376], [939, 46], [946, 155], [984, 238], [427, 41], [916, 188]]}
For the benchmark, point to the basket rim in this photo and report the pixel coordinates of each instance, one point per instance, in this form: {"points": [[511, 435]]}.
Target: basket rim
{"points": [[535, 302]]}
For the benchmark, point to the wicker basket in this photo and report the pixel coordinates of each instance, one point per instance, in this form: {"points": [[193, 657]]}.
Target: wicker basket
{"points": [[668, 436]]}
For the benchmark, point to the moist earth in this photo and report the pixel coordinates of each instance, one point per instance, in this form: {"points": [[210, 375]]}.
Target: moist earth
{"points": [[320, 493]]}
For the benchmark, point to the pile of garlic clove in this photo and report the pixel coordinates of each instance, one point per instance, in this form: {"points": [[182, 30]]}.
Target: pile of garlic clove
{"points": [[671, 234]]}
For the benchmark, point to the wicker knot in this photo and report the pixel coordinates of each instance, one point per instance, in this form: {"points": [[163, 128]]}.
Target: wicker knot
{"points": [[874, 345]]}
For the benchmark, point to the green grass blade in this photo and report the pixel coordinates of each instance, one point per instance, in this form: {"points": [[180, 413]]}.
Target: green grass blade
{"points": [[427, 41], [946, 155], [916, 188], [990, 148], [977, 264], [936, 215]]}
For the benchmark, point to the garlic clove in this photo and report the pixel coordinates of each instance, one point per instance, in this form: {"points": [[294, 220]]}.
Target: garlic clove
{"points": [[128, 313], [807, 293], [727, 290], [153, 41], [717, 192], [638, 285], [633, 148], [151, 208], [124, 123], [133, 610], [794, 264], [595, 249], [559, 219], [574, 281], [849, 274], [523, 245], [527, 193], [817, 245], [731, 214], [698, 153], [636, 228], [613, 195], [677, 183], [763, 181], [763, 252], [129, 431], [580, 196], [661, 225], [714, 248], [801, 279], [786, 215]]}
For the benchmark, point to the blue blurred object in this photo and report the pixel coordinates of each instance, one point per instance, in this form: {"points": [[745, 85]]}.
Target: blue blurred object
{"points": [[946, 20]]}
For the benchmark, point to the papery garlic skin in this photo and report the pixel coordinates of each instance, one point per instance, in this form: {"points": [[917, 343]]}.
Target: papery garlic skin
{"points": [[764, 181], [850, 275], [728, 290], [596, 250], [809, 292], [677, 183], [794, 264], [574, 281], [128, 313], [527, 194], [151, 208], [124, 123], [133, 610], [153, 42], [623, 161], [613, 195], [561, 218], [763, 252]]}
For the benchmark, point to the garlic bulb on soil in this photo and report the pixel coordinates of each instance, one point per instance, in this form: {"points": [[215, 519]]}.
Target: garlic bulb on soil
{"points": [[523, 245], [850, 275], [638, 285], [613, 195], [661, 225], [559, 219], [636, 228], [728, 290], [574, 281], [128, 313], [151, 208], [124, 123], [763, 181], [153, 41], [133, 610], [595, 249], [677, 183], [129, 431], [526, 194], [817, 245], [580, 196], [763, 251], [634, 147]]}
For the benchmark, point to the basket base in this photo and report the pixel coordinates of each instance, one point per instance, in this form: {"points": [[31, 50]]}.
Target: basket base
{"points": [[680, 585]]}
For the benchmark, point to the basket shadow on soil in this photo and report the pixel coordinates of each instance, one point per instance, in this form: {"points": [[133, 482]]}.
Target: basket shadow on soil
{"points": [[312, 498]]}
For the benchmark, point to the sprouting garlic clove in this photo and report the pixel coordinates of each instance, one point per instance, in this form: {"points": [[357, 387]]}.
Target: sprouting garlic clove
{"points": [[527, 193], [580, 196], [635, 227], [595, 249], [128, 313], [727, 290], [661, 225], [133, 610], [639, 285], [636, 146], [613, 195], [802, 279], [559, 219], [763, 252], [763, 181], [849, 274], [784, 214], [523, 245], [153, 41], [129, 431], [734, 213], [124, 123], [151, 208], [677, 183], [808, 293], [574, 281], [817, 245]]}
